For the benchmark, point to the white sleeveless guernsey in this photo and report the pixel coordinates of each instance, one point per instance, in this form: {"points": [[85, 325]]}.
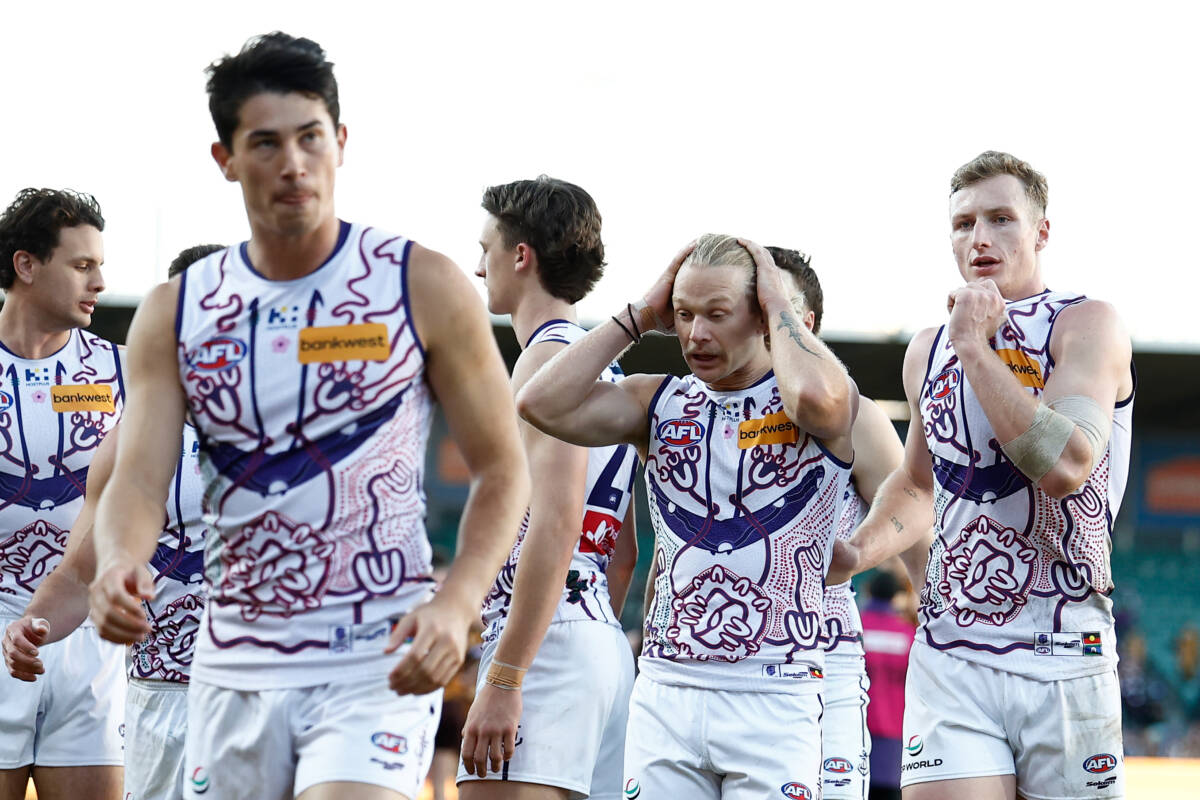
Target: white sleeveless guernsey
{"points": [[843, 626], [1017, 580], [178, 567], [54, 412], [313, 413], [745, 506], [610, 475]]}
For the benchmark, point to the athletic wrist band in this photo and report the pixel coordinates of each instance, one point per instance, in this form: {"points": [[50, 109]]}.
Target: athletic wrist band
{"points": [[505, 676], [632, 338]]}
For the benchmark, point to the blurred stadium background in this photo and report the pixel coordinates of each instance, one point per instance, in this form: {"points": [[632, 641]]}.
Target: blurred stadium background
{"points": [[1156, 544]]}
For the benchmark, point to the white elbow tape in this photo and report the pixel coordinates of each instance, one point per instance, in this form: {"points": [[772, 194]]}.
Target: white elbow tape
{"points": [[1086, 414], [1038, 449]]}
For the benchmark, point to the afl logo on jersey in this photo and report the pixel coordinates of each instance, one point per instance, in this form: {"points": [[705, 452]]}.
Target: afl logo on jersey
{"points": [[6, 401], [1100, 763], [796, 791], [680, 432], [943, 384], [217, 354]]}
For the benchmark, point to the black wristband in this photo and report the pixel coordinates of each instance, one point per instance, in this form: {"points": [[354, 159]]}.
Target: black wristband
{"points": [[622, 326], [633, 321]]}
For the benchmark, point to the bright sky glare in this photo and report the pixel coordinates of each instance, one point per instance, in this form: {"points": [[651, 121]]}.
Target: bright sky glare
{"points": [[829, 127]]}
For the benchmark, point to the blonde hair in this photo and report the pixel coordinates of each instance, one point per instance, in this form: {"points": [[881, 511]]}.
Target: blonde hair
{"points": [[991, 163]]}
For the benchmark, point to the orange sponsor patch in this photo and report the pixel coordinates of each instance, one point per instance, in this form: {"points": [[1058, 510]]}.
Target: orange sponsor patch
{"points": [[1028, 371], [365, 342], [772, 429], [82, 397]]}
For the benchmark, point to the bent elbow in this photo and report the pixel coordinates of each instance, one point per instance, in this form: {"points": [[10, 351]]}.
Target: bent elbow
{"points": [[824, 416], [529, 407], [1065, 478]]}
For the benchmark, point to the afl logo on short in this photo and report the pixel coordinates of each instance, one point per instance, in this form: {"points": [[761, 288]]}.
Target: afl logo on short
{"points": [[390, 742], [6, 401], [943, 384], [838, 765], [633, 789], [796, 791], [217, 354], [1100, 763], [680, 432]]}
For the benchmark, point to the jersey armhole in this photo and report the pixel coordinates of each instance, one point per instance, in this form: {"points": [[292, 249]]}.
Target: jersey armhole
{"points": [[937, 337], [654, 405], [408, 312]]}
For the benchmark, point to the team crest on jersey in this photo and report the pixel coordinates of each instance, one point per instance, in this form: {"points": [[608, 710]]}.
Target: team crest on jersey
{"points": [[796, 791], [944, 384], [217, 354], [1026, 370], [680, 432], [988, 572]]}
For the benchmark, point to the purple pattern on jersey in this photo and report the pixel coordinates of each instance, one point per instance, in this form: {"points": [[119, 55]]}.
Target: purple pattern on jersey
{"points": [[1004, 546], [743, 534], [314, 469], [44, 456], [843, 627]]}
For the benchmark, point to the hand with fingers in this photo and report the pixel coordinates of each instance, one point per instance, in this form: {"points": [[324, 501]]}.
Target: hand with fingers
{"points": [[976, 312], [22, 639], [116, 597], [655, 311], [490, 735], [772, 290], [438, 632]]}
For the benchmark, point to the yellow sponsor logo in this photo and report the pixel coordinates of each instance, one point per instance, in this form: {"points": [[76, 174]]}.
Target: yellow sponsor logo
{"points": [[772, 429], [1028, 371], [83, 397], [365, 342]]}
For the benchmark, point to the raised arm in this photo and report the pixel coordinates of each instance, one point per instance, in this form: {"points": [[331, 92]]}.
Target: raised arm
{"points": [[129, 517], [565, 398], [817, 393], [469, 379], [1058, 439], [901, 515], [60, 603]]}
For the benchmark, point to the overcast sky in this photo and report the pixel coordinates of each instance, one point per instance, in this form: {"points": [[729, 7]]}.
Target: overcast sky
{"points": [[829, 127]]}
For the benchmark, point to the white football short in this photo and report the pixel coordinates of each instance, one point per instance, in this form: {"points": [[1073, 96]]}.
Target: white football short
{"points": [[685, 743], [73, 714], [846, 760], [273, 744], [155, 736], [1062, 738], [574, 707]]}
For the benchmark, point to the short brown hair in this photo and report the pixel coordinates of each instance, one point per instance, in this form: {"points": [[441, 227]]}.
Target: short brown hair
{"points": [[799, 266], [991, 163], [560, 221]]}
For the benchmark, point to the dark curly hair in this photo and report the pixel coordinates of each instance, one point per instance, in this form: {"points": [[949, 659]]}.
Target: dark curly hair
{"points": [[190, 256], [34, 220], [798, 265], [561, 223], [276, 63]]}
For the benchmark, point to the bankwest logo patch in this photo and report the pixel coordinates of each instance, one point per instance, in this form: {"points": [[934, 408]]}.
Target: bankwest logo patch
{"points": [[1028, 371], [364, 342], [772, 429], [84, 397]]}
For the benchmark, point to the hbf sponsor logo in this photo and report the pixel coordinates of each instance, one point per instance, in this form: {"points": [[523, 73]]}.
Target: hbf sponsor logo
{"points": [[944, 384], [1100, 763], [839, 766], [390, 742], [217, 354], [680, 432], [796, 791]]}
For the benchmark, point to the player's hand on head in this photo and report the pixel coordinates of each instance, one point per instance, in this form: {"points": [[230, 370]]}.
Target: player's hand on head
{"points": [[438, 634], [976, 312], [655, 311], [490, 735], [768, 276], [21, 641], [116, 596]]}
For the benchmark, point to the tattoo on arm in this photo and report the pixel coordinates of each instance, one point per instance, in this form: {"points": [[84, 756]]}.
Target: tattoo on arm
{"points": [[896, 522], [911, 493], [787, 322]]}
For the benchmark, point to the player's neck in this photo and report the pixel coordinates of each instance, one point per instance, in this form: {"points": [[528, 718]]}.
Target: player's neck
{"points": [[283, 257], [535, 310], [744, 376], [26, 333], [1028, 287]]}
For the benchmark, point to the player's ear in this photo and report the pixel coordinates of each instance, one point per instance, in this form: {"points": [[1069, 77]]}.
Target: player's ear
{"points": [[1043, 234], [224, 159], [341, 143], [526, 257], [810, 319], [23, 262]]}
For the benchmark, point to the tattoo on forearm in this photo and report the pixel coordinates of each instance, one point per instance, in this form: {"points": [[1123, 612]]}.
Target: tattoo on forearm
{"points": [[896, 522], [911, 493], [788, 322]]}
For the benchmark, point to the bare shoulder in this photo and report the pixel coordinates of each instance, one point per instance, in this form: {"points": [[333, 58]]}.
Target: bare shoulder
{"points": [[916, 358], [155, 315], [444, 303], [643, 386], [1094, 320]]}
